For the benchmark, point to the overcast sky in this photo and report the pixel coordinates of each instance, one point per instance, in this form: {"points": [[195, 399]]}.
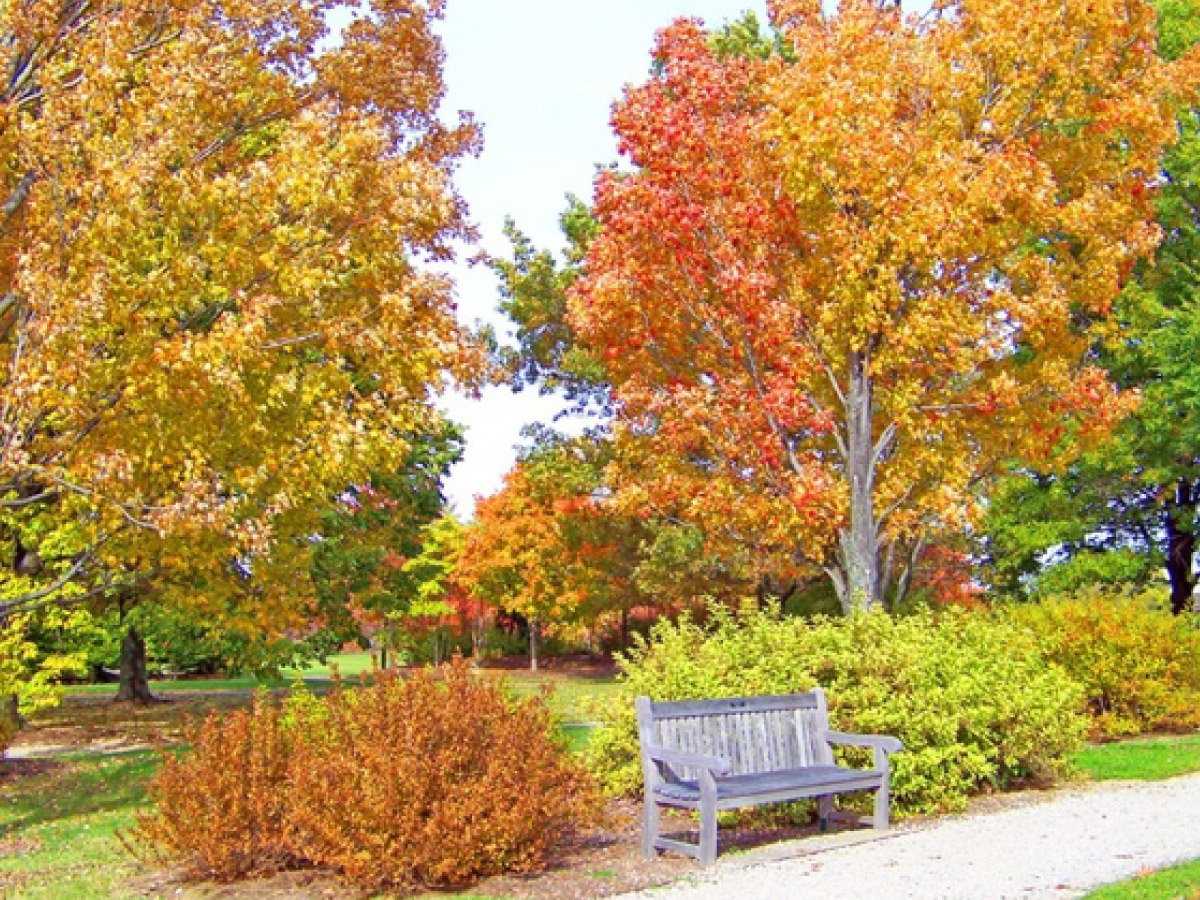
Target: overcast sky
{"points": [[541, 76]]}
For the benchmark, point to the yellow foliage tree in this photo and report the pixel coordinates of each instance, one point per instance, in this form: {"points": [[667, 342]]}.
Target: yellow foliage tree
{"points": [[213, 308]]}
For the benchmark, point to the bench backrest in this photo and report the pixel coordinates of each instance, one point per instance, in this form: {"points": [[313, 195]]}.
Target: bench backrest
{"points": [[754, 734]]}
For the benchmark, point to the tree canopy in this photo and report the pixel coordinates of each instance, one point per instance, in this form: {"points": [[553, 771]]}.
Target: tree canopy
{"points": [[214, 314], [840, 283]]}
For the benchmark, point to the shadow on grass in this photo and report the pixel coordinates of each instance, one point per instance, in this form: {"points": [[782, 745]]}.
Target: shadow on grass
{"points": [[73, 787]]}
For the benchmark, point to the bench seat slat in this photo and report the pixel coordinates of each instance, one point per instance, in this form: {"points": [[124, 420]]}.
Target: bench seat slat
{"points": [[835, 778]]}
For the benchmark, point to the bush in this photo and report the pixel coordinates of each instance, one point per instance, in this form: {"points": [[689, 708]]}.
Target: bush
{"points": [[970, 695], [1138, 664], [434, 780], [222, 807]]}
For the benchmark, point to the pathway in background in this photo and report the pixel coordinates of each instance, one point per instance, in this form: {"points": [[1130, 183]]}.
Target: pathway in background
{"points": [[1054, 850]]}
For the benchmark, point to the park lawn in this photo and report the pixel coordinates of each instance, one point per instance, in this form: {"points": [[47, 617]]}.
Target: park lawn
{"points": [[348, 665], [58, 826], [572, 699], [1180, 882], [1140, 759]]}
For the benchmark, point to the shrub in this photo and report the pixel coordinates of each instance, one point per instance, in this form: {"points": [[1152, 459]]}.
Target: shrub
{"points": [[434, 780], [1138, 664], [222, 807], [970, 695]]}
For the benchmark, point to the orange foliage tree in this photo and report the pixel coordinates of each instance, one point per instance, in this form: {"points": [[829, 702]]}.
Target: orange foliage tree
{"points": [[841, 280], [213, 312], [552, 546]]}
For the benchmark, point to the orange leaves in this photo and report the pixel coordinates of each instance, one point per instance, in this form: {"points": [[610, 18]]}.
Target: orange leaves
{"points": [[939, 199]]}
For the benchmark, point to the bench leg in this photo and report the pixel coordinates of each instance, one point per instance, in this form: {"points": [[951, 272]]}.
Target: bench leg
{"points": [[651, 825], [708, 819], [880, 819], [824, 811]]}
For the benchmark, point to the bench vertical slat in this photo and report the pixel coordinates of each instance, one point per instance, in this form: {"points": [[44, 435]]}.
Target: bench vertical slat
{"points": [[667, 736], [762, 728], [724, 740], [762, 740], [820, 720], [792, 736], [741, 745], [766, 726], [779, 730], [803, 755]]}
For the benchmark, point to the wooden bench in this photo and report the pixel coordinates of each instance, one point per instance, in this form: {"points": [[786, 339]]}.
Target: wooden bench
{"points": [[743, 751]]}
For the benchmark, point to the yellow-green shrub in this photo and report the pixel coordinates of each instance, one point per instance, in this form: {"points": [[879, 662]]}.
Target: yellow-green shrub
{"points": [[1138, 664], [970, 695]]}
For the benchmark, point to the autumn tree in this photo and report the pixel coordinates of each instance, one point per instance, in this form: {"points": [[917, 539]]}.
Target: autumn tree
{"points": [[1128, 511], [839, 283], [213, 309], [550, 545], [369, 534]]}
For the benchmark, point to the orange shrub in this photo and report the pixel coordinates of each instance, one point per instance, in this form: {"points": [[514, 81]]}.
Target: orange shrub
{"points": [[437, 780], [221, 807], [1139, 665]]}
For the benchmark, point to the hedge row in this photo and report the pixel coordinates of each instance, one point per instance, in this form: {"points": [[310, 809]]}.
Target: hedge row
{"points": [[981, 699]]}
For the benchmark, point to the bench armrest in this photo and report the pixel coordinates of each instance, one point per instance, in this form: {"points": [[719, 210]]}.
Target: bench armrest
{"points": [[880, 744], [886, 743], [714, 764]]}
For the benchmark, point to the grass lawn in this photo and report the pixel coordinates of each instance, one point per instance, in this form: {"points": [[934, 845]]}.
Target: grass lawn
{"points": [[57, 826], [1141, 759], [1180, 882], [571, 699]]}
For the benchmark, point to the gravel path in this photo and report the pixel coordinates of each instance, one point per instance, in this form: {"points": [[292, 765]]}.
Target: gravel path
{"points": [[1054, 850]]}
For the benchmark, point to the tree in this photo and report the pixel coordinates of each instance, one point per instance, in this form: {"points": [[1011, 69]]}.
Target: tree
{"points": [[550, 545], [1127, 511], [533, 290], [837, 287], [366, 539], [212, 307]]}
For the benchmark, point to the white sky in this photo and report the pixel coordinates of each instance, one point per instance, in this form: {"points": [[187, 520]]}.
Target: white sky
{"points": [[541, 76]]}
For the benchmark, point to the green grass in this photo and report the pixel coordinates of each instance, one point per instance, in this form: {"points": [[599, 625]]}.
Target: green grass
{"points": [[1180, 882], [319, 675], [1141, 759], [572, 699], [63, 825]]}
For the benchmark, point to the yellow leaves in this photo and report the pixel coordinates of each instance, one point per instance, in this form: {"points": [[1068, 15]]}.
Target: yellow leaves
{"points": [[222, 320]]}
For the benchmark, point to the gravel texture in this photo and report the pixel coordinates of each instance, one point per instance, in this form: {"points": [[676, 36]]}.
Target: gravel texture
{"points": [[1059, 849]]}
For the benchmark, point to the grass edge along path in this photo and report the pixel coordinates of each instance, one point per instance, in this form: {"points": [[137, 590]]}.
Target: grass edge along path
{"points": [[1181, 882], [1140, 759]]}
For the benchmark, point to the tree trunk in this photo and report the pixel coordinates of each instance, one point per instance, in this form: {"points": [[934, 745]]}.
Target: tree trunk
{"points": [[533, 645], [624, 625], [134, 685], [857, 573], [14, 708], [1181, 545], [478, 637]]}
